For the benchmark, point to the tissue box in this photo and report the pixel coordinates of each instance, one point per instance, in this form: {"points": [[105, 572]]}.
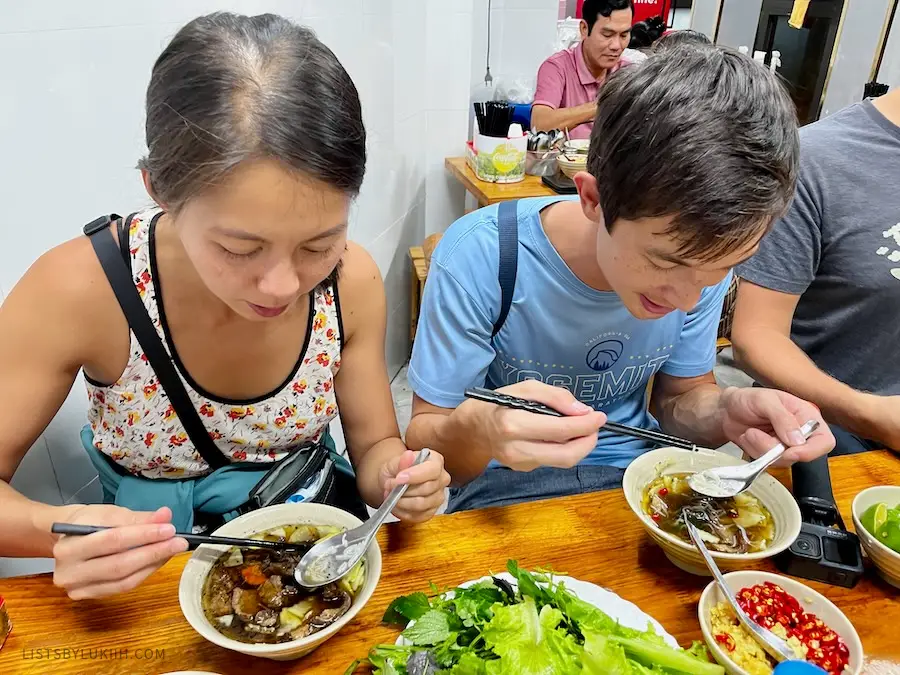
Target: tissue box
{"points": [[497, 160], [5, 625]]}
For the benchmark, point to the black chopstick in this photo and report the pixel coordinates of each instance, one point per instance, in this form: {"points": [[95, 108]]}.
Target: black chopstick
{"points": [[479, 115], [507, 401], [80, 530]]}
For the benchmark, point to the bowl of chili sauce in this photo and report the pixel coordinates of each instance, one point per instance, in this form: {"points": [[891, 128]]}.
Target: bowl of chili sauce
{"points": [[822, 630]]}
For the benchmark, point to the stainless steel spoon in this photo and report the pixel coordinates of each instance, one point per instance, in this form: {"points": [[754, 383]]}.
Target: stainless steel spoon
{"points": [[335, 556], [774, 645], [728, 481]]}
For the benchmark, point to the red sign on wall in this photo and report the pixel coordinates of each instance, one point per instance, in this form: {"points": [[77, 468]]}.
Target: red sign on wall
{"points": [[643, 9]]}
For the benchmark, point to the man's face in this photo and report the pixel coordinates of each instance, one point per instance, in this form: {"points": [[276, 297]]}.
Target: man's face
{"points": [[641, 263], [608, 39]]}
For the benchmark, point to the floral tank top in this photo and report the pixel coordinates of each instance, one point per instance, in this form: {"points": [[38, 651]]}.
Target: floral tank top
{"points": [[136, 427]]}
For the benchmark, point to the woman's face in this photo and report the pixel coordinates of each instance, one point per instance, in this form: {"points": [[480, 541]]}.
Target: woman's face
{"points": [[265, 237]]}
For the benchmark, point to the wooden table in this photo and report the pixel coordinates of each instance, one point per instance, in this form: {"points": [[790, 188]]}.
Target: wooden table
{"points": [[491, 193], [593, 537]]}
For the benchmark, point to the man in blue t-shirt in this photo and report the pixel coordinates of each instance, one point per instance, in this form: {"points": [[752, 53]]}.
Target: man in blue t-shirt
{"points": [[692, 156]]}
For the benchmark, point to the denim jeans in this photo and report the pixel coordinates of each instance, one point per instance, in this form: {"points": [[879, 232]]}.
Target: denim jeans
{"points": [[500, 486]]}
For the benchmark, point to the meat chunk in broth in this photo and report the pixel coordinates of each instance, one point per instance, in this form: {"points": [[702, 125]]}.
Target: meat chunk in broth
{"points": [[220, 591], [245, 603], [275, 593], [332, 594], [251, 595]]}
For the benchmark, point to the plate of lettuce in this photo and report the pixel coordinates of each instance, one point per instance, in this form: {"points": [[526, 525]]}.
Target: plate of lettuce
{"points": [[528, 623]]}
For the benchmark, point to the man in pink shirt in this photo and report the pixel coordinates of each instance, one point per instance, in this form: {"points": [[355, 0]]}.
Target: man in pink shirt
{"points": [[568, 81]]}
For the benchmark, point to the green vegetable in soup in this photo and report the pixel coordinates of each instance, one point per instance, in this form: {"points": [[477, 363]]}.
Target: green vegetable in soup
{"points": [[739, 524]]}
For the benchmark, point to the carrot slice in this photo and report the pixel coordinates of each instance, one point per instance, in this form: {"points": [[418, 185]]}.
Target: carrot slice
{"points": [[253, 575]]}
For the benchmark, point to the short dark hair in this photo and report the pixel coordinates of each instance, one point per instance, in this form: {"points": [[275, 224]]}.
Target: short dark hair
{"points": [[681, 37], [704, 134], [229, 88], [591, 10]]}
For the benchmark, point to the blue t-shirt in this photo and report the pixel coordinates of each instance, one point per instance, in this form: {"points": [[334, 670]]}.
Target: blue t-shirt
{"points": [[559, 330]]}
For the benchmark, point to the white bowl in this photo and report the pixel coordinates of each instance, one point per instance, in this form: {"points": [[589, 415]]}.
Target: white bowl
{"points": [[886, 561], [578, 144], [774, 496], [811, 601], [570, 168], [201, 562]]}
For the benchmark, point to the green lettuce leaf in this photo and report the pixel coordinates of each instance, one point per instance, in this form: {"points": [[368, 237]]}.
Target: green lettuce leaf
{"points": [[468, 664], [473, 604], [653, 654], [389, 659], [429, 629], [602, 657], [529, 643], [406, 608], [513, 626]]}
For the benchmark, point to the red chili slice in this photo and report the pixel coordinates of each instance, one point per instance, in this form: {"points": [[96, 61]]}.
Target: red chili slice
{"points": [[769, 603], [726, 640]]}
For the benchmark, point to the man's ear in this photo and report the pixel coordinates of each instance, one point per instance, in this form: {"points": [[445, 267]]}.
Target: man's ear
{"points": [[589, 195], [583, 29], [148, 185]]}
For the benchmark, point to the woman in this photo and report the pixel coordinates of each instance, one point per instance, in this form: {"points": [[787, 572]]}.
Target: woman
{"points": [[256, 149]]}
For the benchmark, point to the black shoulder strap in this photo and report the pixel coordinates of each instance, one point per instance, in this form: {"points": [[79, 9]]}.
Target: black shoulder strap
{"points": [[508, 225], [120, 279], [124, 230]]}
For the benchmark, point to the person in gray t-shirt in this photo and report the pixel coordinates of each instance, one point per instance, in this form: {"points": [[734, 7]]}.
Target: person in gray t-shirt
{"points": [[818, 308]]}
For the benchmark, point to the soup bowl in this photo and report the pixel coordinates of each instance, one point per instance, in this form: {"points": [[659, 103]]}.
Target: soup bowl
{"points": [[198, 567], [773, 495]]}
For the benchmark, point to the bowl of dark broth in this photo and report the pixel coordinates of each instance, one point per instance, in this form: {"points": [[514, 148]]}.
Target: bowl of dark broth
{"points": [[248, 600], [756, 524]]}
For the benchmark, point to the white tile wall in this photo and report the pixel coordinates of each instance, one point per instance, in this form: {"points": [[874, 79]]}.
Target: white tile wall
{"points": [[856, 51], [72, 131], [523, 33], [890, 65]]}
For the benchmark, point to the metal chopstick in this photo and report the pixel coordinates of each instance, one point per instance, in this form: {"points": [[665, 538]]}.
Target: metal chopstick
{"points": [[507, 401]]}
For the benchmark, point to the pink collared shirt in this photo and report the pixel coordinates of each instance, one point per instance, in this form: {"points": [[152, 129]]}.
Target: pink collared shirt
{"points": [[564, 81]]}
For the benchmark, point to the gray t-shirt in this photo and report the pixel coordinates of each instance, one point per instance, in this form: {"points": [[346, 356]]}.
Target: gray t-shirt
{"points": [[838, 247]]}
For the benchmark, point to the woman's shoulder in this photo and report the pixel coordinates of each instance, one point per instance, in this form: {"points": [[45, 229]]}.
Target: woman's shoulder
{"points": [[67, 287], [68, 272], [360, 287]]}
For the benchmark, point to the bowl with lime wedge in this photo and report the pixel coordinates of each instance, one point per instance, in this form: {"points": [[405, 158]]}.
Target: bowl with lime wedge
{"points": [[876, 517]]}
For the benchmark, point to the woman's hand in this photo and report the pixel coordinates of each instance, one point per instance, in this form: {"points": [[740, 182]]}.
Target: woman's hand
{"points": [[427, 482], [116, 560], [758, 419]]}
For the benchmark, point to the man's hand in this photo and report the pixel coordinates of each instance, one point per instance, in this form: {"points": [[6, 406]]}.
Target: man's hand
{"points": [[758, 419], [524, 441], [882, 420], [545, 118]]}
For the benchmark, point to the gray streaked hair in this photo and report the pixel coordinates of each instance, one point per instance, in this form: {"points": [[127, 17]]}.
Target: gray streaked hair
{"points": [[230, 88], [700, 133]]}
